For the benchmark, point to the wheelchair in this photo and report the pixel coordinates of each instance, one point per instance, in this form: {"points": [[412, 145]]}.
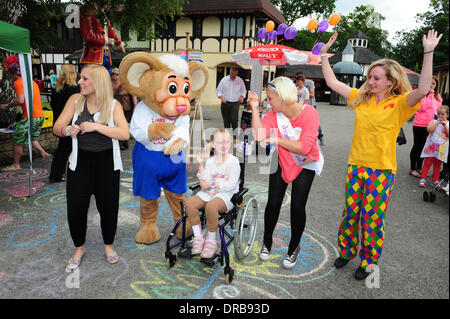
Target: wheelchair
{"points": [[430, 196], [242, 219]]}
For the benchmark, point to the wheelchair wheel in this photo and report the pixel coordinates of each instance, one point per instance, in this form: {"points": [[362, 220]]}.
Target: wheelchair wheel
{"points": [[432, 197], [229, 274], [171, 259], [245, 227]]}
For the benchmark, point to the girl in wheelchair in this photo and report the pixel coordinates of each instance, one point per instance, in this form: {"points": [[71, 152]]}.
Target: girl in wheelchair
{"points": [[219, 180]]}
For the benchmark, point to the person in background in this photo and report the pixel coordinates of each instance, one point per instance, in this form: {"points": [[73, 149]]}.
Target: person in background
{"points": [[435, 150], [231, 91], [65, 87], [95, 122], [20, 137], [382, 106], [423, 116], [302, 92], [53, 79], [310, 86], [127, 101]]}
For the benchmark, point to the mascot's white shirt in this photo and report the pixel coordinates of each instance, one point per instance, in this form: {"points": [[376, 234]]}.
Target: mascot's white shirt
{"points": [[143, 116]]}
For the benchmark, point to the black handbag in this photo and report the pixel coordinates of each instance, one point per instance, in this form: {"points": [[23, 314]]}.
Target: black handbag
{"points": [[401, 138]]}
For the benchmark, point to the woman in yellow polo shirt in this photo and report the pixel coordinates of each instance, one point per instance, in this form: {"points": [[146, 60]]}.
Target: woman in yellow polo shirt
{"points": [[382, 105]]}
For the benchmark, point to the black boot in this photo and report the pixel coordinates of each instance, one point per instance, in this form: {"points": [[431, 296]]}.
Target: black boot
{"points": [[341, 262], [361, 273]]}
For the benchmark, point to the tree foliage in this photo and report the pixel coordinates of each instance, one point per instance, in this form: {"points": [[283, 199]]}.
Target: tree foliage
{"points": [[366, 20], [409, 50], [295, 9]]}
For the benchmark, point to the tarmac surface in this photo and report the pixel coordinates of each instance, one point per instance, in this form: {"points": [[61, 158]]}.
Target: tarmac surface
{"points": [[35, 243]]}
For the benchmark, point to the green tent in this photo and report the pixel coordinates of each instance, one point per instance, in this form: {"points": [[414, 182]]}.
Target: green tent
{"points": [[16, 39]]}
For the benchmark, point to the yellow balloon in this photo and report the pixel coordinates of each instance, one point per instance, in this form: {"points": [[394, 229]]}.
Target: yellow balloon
{"points": [[334, 19], [312, 24], [270, 25]]}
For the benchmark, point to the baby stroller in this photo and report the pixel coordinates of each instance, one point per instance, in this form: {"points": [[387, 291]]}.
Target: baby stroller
{"points": [[242, 219], [442, 186]]}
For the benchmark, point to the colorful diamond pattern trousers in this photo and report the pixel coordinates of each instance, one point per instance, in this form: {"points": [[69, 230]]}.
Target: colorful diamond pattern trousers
{"points": [[367, 193]]}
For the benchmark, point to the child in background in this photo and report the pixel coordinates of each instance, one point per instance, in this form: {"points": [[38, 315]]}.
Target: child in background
{"points": [[435, 150], [219, 180], [302, 91]]}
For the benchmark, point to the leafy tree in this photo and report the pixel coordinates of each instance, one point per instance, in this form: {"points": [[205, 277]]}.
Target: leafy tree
{"points": [[295, 9], [367, 20], [409, 50]]}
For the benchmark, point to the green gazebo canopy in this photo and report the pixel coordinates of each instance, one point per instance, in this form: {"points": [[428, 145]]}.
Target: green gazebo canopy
{"points": [[14, 38]]}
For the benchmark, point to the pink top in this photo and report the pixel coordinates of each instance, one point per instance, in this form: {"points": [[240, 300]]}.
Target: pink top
{"points": [[308, 121], [428, 107]]}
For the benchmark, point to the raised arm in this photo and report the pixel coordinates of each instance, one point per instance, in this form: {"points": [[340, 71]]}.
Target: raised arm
{"points": [[257, 127], [333, 83], [429, 41]]}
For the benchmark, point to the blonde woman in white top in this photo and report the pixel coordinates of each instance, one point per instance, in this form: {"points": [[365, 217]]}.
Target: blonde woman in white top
{"points": [[96, 122]]}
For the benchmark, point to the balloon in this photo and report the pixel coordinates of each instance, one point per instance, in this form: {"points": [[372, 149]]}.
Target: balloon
{"points": [[262, 33], [323, 25], [290, 33], [312, 24], [281, 28], [273, 35], [270, 25], [317, 48], [334, 19]]}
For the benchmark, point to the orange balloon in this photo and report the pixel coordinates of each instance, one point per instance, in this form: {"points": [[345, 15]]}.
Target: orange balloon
{"points": [[270, 26], [334, 19], [312, 24]]}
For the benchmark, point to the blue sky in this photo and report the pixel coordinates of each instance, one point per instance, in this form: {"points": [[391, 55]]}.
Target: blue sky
{"points": [[399, 14]]}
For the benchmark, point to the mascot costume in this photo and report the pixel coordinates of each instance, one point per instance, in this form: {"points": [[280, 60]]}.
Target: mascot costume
{"points": [[160, 126], [97, 41]]}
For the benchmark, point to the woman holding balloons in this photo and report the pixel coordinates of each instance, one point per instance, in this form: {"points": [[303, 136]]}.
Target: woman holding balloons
{"points": [[382, 105]]}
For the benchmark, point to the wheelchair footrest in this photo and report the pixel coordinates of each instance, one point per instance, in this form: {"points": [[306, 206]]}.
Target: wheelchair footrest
{"points": [[210, 262], [185, 252]]}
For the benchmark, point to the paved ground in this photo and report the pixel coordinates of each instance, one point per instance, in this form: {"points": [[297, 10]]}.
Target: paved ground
{"points": [[35, 244]]}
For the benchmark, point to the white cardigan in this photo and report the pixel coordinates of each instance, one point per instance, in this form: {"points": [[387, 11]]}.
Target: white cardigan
{"points": [[116, 148]]}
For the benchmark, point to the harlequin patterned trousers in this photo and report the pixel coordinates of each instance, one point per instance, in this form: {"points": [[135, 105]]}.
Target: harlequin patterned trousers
{"points": [[367, 193]]}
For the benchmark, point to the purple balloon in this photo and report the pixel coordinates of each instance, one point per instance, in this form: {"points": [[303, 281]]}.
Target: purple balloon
{"points": [[290, 33], [281, 28], [317, 48], [323, 25], [262, 33], [273, 35]]}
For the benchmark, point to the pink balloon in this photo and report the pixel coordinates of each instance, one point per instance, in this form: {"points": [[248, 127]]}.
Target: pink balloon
{"points": [[262, 33], [290, 33], [273, 35]]}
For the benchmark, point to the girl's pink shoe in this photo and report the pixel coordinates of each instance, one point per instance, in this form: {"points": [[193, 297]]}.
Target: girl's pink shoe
{"points": [[210, 248], [197, 246], [422, 182]]}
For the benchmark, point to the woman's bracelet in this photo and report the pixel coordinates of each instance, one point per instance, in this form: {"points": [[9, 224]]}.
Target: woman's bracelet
{"points": [[255, 99], [62, 131], [428, 52]]}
